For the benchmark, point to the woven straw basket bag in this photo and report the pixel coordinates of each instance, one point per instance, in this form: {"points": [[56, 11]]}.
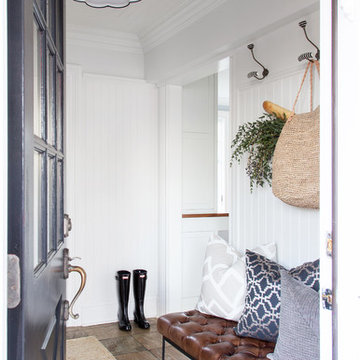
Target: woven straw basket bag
{"points": [[295, 167]]}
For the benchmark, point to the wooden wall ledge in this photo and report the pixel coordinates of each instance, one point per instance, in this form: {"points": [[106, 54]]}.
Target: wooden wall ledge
{"points": [[187, 216]]}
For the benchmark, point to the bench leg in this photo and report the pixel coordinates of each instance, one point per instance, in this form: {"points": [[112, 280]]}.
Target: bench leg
{"points": [[163, 349]]}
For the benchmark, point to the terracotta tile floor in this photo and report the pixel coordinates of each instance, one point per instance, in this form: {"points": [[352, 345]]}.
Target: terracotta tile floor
{"points": [[137, 344]]}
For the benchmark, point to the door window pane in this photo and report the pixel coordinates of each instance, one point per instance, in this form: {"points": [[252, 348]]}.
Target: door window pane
{"points": [[51, 204], [38, 201], [48, 126], [59, 27], [38, 81], [50, 96], [59, 109], [50, 16], [41, 5], [60, 202]]}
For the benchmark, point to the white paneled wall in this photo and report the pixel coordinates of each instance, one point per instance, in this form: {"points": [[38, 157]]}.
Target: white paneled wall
{"points": [[112, 187], [199, 146], [199, 179], [196, 233], [260, 217], [170, 198]]}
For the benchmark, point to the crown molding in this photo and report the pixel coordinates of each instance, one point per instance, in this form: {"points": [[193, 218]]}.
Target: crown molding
{"points": [[177, 22], [103, 39]]}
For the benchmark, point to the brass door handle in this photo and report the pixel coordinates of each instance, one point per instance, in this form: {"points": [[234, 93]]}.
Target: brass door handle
{"points": [[68, 268], [82, 273]]}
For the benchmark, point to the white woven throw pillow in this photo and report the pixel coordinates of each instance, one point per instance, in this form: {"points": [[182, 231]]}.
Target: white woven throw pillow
{"points": [[223, 288]]}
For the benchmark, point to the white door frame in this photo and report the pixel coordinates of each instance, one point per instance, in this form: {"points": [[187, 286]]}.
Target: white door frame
{"points": [[3, 179], [339, 174], [325, 171], [347, 174]]}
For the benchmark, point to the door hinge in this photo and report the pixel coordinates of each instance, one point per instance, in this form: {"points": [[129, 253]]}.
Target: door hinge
{"points": [[327, 299], [329, 244], [14, 289], [67, 225]]}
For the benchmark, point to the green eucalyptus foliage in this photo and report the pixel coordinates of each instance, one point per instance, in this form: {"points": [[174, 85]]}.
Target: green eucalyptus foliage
{"points": [[258, 139]]}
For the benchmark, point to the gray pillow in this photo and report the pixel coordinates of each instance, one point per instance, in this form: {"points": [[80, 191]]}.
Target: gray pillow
{"points": [[299, 337]]}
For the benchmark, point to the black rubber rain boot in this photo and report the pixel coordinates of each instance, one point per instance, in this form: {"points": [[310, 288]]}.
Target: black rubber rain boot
{"points": [[139, 281], [123, 279]]}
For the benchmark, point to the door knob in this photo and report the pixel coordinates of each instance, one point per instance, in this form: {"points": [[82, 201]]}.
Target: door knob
{"points": [[68, 268]]}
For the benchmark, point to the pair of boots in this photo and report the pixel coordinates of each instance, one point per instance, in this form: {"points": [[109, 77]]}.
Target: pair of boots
{"points": [[139, 283]]}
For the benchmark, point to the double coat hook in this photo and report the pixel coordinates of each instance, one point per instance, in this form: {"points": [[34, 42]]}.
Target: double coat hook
{"points": [[255, 73], [308, 55]]}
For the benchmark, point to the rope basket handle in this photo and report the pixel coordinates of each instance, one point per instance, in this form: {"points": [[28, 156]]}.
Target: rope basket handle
{"points": [[309, 66]]}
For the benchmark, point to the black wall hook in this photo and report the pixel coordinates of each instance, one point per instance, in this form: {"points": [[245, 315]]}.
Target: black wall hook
{"points": [[255, 73], [308, 55]]}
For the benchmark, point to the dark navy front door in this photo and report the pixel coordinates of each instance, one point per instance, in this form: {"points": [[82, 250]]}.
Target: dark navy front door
{"points": [[36, 327]]}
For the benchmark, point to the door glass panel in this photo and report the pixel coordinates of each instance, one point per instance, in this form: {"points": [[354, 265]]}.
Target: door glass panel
{"points": [[38, 187], [51, 204], [59, 27], [41, 4], [38, 111], [50, 16], [50, 98], [59, 109], [48, 125], [60, 202]]}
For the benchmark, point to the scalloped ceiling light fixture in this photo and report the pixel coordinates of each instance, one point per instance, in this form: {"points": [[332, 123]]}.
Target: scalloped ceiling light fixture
{"points": [[108, 3]]}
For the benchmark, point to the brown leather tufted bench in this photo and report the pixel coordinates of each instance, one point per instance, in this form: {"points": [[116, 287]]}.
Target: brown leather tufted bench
{"points": [[205, 337]]}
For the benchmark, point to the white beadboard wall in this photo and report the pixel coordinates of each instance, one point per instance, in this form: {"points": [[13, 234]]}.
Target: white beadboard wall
{"points": [[112, 187], [260, 217]]}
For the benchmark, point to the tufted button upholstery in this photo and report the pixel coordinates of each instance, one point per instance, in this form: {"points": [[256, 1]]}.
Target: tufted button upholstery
{"points": [[206, 337]]}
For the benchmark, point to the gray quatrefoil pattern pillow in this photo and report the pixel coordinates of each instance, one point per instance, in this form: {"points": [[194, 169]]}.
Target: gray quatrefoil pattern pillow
{"points": [[260, 318]]}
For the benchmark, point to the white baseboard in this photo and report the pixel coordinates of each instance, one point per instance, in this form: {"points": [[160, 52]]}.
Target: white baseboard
{"points": [[107, 312]]}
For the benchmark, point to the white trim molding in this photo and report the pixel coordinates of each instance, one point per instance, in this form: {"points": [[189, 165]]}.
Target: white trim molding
{"points": [[74, 107], [170, 260], [177, 56], [177, 22], [326, 154], [103, 39], [346, 192], [106, 312]]}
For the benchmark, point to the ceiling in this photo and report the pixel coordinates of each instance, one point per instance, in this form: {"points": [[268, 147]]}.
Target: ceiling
{"points": [[138, 18], [178, 35]]}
